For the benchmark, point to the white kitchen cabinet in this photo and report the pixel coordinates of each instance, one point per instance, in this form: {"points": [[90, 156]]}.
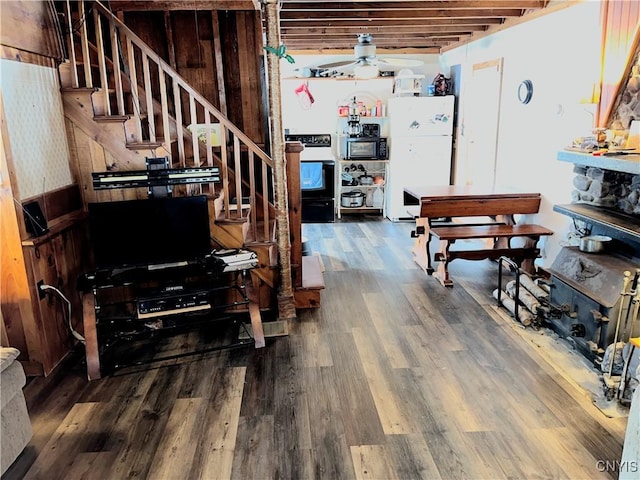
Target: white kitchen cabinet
{"points": [[354, 194]]}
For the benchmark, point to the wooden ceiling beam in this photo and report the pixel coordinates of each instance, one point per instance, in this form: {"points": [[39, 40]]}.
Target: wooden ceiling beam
{"points": [[390, 44], [146, 5], [359, 23], [380, 37], [423, 26], [375, 31], [383, 42], [399, 14], [411, 5]]}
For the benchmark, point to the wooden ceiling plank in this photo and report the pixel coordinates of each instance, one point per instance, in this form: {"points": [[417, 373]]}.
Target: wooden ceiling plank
{"points": [[387, 49], [402, 29], [411, 5], [358, 23], [408, 41], [399, 14], [145, 5]]}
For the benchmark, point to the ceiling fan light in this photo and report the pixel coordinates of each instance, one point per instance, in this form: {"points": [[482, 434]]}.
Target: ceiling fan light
{"points": [[364, 51], [366, 71]]}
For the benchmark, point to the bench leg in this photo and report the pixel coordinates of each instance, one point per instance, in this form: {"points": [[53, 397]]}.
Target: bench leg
{"points": [[507, 220], [420, 250], [442, 272], [527, 263]]}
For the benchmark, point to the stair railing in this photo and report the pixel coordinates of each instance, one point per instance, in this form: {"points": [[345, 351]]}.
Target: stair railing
{"points": [[119, 53]]}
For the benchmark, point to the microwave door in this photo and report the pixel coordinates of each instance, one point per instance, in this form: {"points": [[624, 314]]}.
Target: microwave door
{"points": [[362, 149]]}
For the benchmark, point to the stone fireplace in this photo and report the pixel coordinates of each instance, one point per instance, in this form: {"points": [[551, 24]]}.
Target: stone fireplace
{"points": [[607, 188]]}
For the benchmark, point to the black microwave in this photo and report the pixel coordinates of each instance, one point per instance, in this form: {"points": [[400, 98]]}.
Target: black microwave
{"points": [[362, 148]]}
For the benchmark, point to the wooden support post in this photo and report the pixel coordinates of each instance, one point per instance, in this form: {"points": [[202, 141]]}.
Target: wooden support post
{"points": [[219, 64], [286, 301]]}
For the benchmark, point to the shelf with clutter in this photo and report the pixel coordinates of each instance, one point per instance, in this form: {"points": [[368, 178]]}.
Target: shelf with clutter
{"points": [[361, 186], [407, 84], [359, 110], [362, 105]]}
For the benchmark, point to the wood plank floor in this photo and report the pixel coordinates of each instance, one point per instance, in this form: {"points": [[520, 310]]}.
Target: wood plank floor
{"points": [[394, 377]]}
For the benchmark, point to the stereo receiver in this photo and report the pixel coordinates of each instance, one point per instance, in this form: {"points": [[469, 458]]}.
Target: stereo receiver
{"points": [[173, 302]]}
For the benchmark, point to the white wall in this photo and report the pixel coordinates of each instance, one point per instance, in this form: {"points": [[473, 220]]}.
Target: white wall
{"points": [[328, 93], [559, 53]]}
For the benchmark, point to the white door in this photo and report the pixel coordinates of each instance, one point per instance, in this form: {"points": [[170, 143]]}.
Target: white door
{"points": [[415, 161], [481, 120]]}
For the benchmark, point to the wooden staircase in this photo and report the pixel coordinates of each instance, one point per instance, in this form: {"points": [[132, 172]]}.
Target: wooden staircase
{"points": [[118, 116]]}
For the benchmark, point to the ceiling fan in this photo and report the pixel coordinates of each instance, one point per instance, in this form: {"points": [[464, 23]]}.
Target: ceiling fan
{"points": [[366, 63]]}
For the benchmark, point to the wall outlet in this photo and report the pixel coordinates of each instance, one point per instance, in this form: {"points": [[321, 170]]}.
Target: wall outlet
{"points": [[41, 292]]}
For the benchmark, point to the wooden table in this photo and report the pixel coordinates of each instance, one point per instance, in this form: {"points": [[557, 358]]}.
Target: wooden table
{"points": [[500, 204]]}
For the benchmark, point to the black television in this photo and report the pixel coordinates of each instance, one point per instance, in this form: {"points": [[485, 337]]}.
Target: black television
{"points": [[154, 233]]}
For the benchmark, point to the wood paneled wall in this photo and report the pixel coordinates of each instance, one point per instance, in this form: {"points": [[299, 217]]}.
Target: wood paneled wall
{"points": [[37, 325], [219, 52], [30, 28], [621, 22]]}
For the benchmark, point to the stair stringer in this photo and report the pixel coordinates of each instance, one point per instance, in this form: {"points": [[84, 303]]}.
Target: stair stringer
{"points": [[78, 108]]}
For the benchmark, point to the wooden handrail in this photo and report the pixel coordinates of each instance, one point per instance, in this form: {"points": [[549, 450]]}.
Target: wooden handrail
{"points": [[135, 64]]}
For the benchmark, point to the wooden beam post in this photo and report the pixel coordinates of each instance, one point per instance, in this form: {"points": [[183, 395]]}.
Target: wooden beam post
{"points": [[286, 303]]}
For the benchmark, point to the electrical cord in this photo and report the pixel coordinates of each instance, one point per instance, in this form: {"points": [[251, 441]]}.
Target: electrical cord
{"points": [[77, 335]]}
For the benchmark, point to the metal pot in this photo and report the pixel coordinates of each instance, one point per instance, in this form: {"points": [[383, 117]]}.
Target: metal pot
{"points": [[353, 199], [594, 243]]}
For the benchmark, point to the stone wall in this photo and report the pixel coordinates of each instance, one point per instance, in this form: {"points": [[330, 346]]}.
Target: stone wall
{"points": [[606, 188]]}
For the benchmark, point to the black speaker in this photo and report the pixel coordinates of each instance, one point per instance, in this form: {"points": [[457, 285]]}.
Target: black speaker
{"points": [[34, 219]]}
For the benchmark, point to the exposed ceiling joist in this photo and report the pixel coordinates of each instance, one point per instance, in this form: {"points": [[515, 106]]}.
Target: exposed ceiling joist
{"points": [[424, 26], [428, 25], [142, 5]]}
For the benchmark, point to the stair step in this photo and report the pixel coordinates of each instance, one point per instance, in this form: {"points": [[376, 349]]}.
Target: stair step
{"points": [[144, 145], [79, 89], [260, 228], [111, 118], [233, 217], [312, 268], [233, 207], [308, 296]]}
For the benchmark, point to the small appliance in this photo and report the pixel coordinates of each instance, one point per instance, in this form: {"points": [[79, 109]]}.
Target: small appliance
{"points": [[370, 130], [363, 148], [317, 177]]}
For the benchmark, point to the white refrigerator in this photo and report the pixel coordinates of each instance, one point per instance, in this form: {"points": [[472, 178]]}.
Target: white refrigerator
{"points": [[420, 148]]}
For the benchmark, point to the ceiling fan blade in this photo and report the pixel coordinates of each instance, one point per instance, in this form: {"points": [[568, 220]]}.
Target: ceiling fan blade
{"points": [[336, 65], [401, 62]]}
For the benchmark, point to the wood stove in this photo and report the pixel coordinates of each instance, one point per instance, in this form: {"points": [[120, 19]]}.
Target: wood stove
{"points": [[586, 287], [586, 292]]}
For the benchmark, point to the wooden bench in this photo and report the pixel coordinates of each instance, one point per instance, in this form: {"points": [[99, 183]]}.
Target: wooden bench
{"points": [[445, 216], [523, 256]]}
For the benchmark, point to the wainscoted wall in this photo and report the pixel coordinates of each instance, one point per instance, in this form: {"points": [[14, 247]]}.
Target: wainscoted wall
{"points": [[35, 123], [34, 165]]}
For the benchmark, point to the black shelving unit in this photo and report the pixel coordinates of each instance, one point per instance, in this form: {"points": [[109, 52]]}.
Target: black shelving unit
{"points": [[127, 311]]}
